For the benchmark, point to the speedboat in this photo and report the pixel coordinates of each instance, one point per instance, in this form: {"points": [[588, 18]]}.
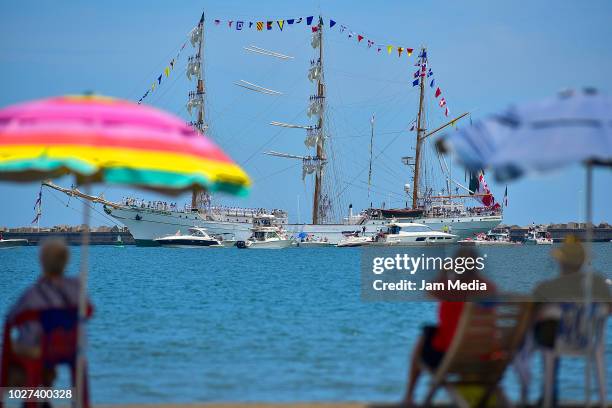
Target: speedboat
{"points": [[12, 243], [411, 233], [197, 238], [490, 238], [355, 240], [265, 234]]}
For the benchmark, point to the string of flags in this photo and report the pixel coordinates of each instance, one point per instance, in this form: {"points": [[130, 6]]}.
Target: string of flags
{"points": [[370, 43], [424, 73], [267, 25], [164, 74], [313, 23]]}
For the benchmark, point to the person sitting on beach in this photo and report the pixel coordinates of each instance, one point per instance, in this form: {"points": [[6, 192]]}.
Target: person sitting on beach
{"points": [[51, 290], [430, 348], [568, 287]]}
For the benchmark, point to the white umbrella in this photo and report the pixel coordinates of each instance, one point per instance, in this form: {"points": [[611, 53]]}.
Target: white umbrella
{"points": [[538, 136], [572, 127]]}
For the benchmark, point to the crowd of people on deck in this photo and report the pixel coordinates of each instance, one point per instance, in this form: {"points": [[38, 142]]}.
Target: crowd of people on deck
{"points": [[153, 205], [53, 290], [220, 210]]}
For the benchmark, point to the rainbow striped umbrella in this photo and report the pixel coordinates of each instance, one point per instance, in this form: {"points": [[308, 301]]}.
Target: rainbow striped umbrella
{"points": [[110, 140], [104, 139]]}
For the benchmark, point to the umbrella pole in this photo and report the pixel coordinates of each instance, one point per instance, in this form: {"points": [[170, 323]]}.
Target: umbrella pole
{"points": [[588, 279], [83, 275]]}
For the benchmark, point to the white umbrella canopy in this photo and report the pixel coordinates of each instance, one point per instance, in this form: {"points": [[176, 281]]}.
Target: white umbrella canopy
{"points": [[572, 127]]}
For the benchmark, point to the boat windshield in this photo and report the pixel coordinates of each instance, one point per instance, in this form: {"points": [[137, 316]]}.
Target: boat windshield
{"points": [[196, 233], [395, 229], [263, 235]]}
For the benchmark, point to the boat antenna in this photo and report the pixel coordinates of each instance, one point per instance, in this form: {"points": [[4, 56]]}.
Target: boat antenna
{"points": [[420, 129], [371, 145]]}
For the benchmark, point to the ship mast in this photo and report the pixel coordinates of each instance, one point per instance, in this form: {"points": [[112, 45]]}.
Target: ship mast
{"points": [[316, 202], [196, 99], [419, 131]]}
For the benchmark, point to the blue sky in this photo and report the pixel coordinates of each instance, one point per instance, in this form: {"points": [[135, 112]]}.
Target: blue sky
{"points": [[485, 56]]}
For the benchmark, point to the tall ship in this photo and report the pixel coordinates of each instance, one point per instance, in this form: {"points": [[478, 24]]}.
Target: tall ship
{"points": [[433, 200]]}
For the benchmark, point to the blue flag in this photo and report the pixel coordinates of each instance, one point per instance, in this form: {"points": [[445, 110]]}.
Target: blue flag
{"points": [[416, 74], [159, 79], [309, 20], [415, 82], [331, 23], [431, 84]]}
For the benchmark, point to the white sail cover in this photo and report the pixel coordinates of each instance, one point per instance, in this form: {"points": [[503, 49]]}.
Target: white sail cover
{"points": [[314, 73], [196, 35], [311, 140], [572, 127], [316, 40], [193, 68], [193, 103]]}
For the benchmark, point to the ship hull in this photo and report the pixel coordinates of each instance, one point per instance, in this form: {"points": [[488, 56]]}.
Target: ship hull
{"points": [[147, 225]]}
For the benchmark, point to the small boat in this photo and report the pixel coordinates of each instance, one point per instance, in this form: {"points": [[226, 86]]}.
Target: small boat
{"points": [[197, 238], [13, 243], [119, 242], [304, 240], [355, 240], [490, 238], [538, 236], [266, 235], [412, 233], [226, 239]]}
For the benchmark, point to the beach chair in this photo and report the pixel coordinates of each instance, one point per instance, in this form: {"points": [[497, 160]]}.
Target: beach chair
{"points": [[580, 333], [488, 336], [58, 346]]}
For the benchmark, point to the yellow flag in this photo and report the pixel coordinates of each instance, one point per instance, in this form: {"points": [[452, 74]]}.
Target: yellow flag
{"points": [[153, 86], [389, 48], [167, 71], [399, 51], [280, 24], [259, 25]]}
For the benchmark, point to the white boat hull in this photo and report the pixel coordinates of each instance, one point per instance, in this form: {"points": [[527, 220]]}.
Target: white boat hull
{"points": [[147, 224], [284, 243], [12, 243]]}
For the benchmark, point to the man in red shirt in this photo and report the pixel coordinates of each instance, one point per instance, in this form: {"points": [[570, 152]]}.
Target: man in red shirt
{"points": [[435, 341]]}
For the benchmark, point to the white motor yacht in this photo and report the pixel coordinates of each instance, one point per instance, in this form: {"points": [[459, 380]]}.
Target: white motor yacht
{"points": [[411, 233], [197, 238], [266, 235]]}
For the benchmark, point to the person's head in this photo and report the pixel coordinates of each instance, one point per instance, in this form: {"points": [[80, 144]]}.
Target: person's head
{"points": [[53, 258], [465, 263], [570, 255]]}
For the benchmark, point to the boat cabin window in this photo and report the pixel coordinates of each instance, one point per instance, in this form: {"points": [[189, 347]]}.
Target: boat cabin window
{"points": [[395, 229]]}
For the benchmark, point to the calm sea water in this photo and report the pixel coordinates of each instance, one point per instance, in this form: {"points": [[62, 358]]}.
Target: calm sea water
{"points": [[232, 325]]}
